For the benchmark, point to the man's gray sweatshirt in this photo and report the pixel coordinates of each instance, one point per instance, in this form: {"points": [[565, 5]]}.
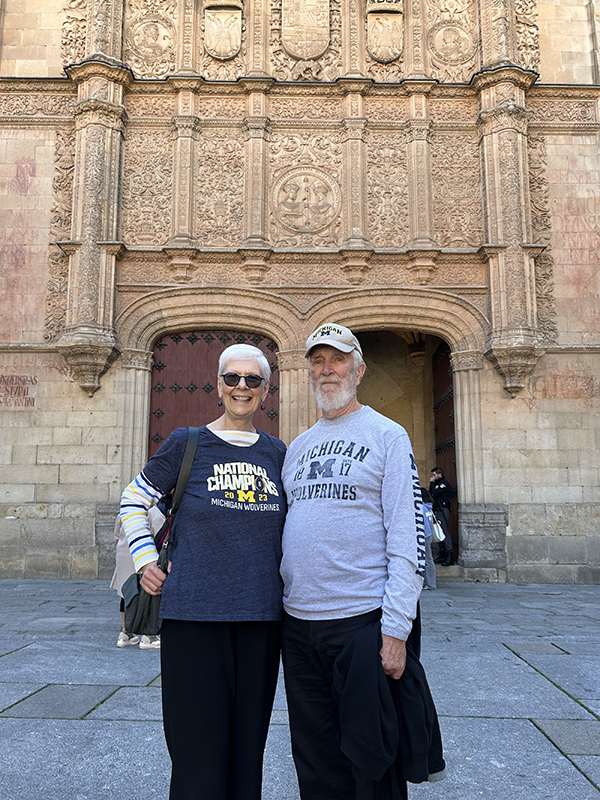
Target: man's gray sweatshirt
{"points": [[353, 538]]}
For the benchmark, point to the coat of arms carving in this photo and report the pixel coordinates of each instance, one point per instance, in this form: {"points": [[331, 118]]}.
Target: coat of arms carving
{"points": [[305, 28], [384, 35], [222, 31]]}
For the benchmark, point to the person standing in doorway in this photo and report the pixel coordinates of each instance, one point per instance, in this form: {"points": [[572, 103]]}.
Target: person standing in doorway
{"points": [[441, 491]]}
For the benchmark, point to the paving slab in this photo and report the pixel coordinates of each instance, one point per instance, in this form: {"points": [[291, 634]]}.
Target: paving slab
{"points": [[60, 702], [503, 760], [81, 760], [10, 642], [590, 766], [131, 703], [577, 675], [11, 693], [576, 737], [80, 662], [490, 681]]}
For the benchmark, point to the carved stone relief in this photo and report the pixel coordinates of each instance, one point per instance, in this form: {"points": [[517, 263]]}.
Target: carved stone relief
{"points": [[220, 188], [305, 194], [385, 40], [306, 39], [452, 110], [151, 37], [385, 108], [387, 189], [43, 105], [223, 33], [527, 34], [73, 33], [60, 230], [456, 189], [549, 111], [452, 39], [154, 106], [304, 108], [541, 225], [147, 187]]}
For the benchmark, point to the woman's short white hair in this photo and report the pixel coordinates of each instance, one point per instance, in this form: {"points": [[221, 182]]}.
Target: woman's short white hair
{"points": [[246, 352]]}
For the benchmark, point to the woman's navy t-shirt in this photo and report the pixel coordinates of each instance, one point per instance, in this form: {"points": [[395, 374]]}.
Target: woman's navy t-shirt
{"points": [[227, 531]]}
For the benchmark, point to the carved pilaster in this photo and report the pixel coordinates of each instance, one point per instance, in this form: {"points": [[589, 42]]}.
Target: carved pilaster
{"points": [[258, 36], [297, 402], [257, 137], [415, 57], [356, 159], [186, 133], [466, 369], [254, 264], [422, 262], [187, 36], [514, 343], [497, 32], [88, 342], [353, 35], [105, 29], [419, 173], [595, 14]]}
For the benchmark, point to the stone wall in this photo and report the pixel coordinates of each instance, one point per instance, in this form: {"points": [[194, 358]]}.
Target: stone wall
{"points": [[441, 179]]}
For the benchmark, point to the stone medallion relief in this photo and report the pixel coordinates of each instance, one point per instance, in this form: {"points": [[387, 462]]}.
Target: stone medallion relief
{"points": [[151, 37], [452, 39], [305, 195], [306, 39]]}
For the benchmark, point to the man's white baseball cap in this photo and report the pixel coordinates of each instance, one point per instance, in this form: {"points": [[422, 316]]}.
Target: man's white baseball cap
{"points": [[335, 336]]}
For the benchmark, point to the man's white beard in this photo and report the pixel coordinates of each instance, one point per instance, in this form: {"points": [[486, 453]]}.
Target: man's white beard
{"points": [[332, 399]]}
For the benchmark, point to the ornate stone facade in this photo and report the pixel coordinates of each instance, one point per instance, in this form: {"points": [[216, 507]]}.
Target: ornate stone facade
{"points": [[395, 165]]}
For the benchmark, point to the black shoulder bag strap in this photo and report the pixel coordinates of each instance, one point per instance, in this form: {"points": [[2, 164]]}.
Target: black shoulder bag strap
{"points": [[163, 537]]}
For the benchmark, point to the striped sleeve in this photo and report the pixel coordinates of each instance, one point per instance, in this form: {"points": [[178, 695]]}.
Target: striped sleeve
{"points": [[137, 498]]}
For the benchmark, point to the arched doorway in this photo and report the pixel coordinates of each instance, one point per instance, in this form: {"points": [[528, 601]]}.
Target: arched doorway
{"points": [[409, 379], [183, 384]]}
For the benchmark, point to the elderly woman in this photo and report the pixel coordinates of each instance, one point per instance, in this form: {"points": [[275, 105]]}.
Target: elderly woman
{"points": [[221, 601]]}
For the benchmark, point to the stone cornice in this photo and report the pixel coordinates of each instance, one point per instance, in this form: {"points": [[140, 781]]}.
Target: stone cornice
{"points": [[523, 78], [96, 68]]}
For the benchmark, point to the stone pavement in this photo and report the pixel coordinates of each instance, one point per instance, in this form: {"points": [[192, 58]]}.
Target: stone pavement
{"points": [[514, 670]]}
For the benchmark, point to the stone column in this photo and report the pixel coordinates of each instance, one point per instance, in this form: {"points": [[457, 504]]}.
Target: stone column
{"points": [[514, 343], [422, 249], [595, 23], [89, 343], [298, 408], [481, 526], [105, 30], [257, 139], [135, 387]]}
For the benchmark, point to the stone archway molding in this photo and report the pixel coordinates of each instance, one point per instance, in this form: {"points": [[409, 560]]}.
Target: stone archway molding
{"points": [[440, 313]]}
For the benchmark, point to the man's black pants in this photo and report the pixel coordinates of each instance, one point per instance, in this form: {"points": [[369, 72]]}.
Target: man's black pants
{"points": [[310, 649]]}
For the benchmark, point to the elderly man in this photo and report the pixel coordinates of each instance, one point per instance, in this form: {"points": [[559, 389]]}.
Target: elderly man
{"points": [[353, 553]]}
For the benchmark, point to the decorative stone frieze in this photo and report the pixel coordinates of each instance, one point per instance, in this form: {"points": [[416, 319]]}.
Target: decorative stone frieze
{"points": [[137, 359], [462, 360]]}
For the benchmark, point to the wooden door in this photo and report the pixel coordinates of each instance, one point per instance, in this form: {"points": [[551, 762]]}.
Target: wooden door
{"points": [[443, 414], [184, 381]]}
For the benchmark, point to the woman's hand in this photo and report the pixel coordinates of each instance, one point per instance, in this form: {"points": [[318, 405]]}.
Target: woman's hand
{"points": [[152, 579]]}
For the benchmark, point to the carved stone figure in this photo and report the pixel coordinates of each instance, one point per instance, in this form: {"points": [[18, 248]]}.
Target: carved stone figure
{"points": [[222, 32], [384, 36], [306, 201]]}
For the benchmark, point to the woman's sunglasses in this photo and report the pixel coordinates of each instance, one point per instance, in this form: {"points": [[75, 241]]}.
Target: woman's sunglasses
{"points": [[232, 379]]}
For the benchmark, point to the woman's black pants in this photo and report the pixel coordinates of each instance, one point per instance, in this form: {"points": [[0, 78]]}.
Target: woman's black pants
{"points": [[218, 684]]}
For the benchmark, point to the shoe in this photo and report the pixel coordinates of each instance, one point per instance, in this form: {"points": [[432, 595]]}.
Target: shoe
{"points": [[150, 643], [448, 561], [126, 639]]}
